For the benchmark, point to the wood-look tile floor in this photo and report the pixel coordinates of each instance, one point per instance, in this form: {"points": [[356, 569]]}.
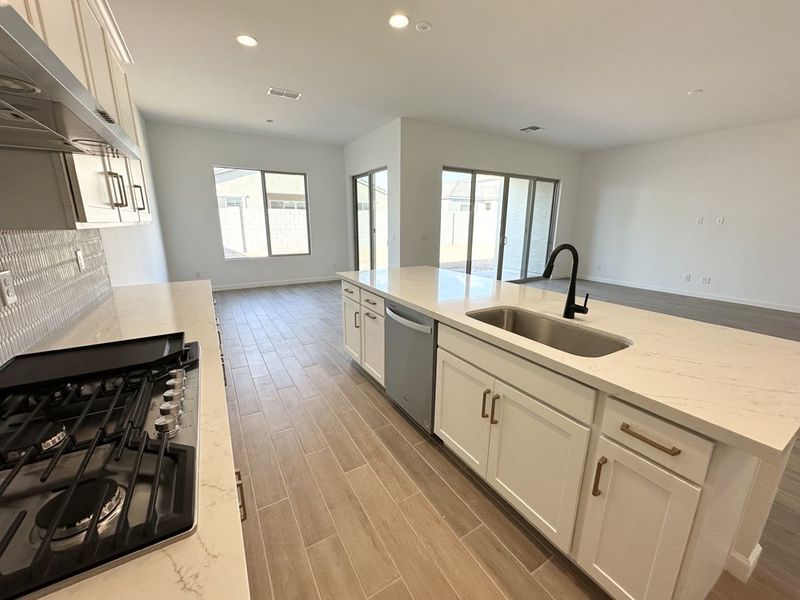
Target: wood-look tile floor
{"points": [[346, 499]]}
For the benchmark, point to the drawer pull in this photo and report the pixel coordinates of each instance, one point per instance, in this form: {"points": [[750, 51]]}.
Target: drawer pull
{"points": [[348, 290], [625, 428], [492, 420], [240, 492], [597, 473], [486, 393], [370, 315], [368, 301]]}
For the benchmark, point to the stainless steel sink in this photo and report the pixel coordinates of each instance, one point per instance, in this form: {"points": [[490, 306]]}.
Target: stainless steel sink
{"points": [[567, 337]]}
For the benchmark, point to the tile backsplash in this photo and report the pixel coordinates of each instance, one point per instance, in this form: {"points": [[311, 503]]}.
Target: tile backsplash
{"points": [[52, 291]]}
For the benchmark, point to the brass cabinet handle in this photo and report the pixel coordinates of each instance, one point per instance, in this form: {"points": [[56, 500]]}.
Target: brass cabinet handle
{"points": [[625, 428], [368, 301], [598, 471], [240, 492], [486, 393], [492, 420]]}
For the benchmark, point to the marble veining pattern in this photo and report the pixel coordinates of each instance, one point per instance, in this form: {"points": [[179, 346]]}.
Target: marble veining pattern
{"points": [[210, 563], [735, 386]]}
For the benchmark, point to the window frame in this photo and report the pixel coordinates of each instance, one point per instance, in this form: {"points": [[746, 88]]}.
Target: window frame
{"points": [[265, 203], [504, 208]]}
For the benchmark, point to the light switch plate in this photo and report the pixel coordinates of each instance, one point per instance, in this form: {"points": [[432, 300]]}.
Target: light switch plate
{"points": [[7, 293], [81, 262]]}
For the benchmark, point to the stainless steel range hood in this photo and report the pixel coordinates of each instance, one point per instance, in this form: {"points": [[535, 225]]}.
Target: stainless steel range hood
{"points": [[43, 106]]}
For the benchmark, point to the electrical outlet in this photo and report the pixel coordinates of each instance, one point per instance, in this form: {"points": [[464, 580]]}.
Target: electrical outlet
{"points": [[7, 293], [720, 220], [705, 280], [81, 262], [687, 277], [699, 220]]}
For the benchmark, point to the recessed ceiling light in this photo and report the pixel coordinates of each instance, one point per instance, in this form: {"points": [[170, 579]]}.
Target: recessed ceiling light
{"points": [[247, 40], [694, 92], [398, 21], [423, 26]]}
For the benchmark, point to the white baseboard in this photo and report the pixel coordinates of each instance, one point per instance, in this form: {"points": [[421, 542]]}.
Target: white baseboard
{"points": [[742, 567], [259, 284], [694, 294]]}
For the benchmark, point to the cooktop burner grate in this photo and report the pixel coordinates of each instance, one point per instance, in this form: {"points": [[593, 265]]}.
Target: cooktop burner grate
{"points": [[82, 480]]}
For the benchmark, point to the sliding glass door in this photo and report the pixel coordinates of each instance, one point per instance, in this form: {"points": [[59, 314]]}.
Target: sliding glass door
{"points": [[371, 215], [496, 225]]}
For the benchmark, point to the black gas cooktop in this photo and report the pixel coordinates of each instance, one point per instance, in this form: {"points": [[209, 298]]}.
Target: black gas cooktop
{"points": [[97, 458]]}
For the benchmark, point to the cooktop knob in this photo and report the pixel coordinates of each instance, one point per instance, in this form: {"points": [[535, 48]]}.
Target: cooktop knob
{"points": [[175, 395], [177, 374], [171, 409], [166, 425]]}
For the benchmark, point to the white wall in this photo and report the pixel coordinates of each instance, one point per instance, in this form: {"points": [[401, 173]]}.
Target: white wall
{"points": [[636, 223], [427, 147], [183, 157], [378, 148], [135, 254]]}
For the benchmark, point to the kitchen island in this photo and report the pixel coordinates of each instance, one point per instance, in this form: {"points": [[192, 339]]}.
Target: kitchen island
{"points": [[683, 435], [210, 563]]}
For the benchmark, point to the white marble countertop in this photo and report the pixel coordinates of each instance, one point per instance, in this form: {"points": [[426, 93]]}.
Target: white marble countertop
{"points": [[210, 563], [734, 386]]}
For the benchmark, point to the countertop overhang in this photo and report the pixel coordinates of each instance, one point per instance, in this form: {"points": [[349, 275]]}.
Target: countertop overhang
{"points": [[736, 387]]}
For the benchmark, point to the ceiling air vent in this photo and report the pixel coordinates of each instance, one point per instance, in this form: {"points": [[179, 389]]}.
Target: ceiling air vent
{"points": [[531, 129], [282, 93]]}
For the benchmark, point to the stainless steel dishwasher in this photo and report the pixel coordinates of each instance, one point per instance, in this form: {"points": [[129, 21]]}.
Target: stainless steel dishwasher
{"points": [[410, 362]]}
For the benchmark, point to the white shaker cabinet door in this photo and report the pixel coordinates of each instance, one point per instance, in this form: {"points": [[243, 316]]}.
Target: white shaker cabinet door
{"points": [[637, 523], [61, 23], [372, 343], [351, 325], [461, 417], [536, 460]]}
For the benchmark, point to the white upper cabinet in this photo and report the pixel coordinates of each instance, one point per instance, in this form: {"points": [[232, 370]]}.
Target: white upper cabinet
{"points": [[100, 190], [95, 193], [102, 82], [28, 10], [461, 417], [636, 525], [61, 29], [536, 459], [123, 96], [140, 197], [118, 171]]}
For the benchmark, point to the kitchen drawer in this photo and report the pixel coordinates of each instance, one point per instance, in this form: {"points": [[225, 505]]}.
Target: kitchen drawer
{"points": [[562, 393], [372, 302], [351, 291], [679, 450]]}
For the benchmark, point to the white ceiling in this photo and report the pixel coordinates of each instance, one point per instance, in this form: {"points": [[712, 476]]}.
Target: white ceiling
{"points": [[594, 73]]}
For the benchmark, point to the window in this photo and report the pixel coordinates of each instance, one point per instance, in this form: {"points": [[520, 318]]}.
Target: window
{"points": [[496, 225], [250, 231], [370, 201]]}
